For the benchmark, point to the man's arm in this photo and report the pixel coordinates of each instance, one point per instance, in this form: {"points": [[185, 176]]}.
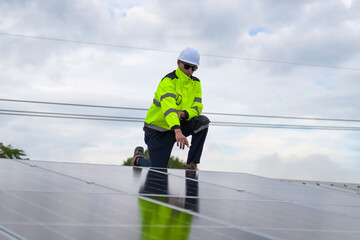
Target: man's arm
{"points": [[167, 95], [197, 106]]}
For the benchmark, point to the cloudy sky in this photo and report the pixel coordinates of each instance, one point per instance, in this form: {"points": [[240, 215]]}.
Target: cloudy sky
{"points": [[264, 58]]}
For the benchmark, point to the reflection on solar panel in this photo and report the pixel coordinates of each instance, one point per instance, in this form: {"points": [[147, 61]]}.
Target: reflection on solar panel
{"points": [[48, 200]]}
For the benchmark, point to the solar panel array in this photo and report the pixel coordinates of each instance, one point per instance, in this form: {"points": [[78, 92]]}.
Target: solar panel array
{"points": [[51, 200]]}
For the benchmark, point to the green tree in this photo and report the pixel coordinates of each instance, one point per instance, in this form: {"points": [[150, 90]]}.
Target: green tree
{"points": [[10, 152], [174, 162]]}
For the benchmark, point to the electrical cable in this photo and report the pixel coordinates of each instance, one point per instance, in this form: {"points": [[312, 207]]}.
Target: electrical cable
{"points": [[73, 117], [72, 104], [85, 42], [284, 117], [71, 114], [207, 113], [134, 119], [169, 51], [287, 126]]}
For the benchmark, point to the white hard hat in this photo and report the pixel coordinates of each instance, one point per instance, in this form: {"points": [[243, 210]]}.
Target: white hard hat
{"points": [[190, 55]]}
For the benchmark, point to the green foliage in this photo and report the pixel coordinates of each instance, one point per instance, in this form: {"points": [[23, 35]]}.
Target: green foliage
{"points": [[11, 153], [174, 162]]}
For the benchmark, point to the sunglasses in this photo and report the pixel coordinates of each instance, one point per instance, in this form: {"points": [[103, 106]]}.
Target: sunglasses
{"points": [[187, 66]]}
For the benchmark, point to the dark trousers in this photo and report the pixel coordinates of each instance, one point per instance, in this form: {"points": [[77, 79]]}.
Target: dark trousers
{"points": [[160, 145]]}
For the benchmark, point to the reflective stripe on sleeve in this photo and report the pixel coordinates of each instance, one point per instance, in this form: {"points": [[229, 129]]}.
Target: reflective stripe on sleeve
{"points": [[170, 110], [157, 128], [197, 109], [197, 100], [156, 102], [167, 95]]}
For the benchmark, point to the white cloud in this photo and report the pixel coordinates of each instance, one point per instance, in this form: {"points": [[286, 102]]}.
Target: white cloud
{"points": [[313, 167], [314, 32]]}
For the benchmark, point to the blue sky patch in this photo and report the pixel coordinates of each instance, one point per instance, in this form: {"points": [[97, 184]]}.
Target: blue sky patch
{"points": [[254, 31], [118, 9]]}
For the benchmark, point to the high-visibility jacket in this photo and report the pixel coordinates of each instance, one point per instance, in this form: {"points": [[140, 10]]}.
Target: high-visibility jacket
{"points": [[176, 92]]}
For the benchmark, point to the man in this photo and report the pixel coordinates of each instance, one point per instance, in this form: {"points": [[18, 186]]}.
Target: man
{"points": [[174, 115]]}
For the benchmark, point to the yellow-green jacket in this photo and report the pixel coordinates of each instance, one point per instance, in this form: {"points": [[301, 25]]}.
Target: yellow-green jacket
{"points": [[176, 92]]}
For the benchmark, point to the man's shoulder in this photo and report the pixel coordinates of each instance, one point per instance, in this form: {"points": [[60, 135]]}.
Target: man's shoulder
{"points": [[171, 75], [195, 79]]}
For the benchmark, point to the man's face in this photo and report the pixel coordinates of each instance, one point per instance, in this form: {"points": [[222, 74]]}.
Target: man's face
{"points": [[187, 68]]}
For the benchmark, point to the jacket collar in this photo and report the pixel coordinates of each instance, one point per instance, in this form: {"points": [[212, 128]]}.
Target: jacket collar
{"points": [[183, 76]]}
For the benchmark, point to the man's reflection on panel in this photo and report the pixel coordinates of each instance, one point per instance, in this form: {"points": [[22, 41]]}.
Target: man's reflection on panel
{"points": [[160, 221]]}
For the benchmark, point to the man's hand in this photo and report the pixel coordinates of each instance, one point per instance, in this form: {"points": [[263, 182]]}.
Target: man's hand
{"points": [[181, 140], [181, 114]]}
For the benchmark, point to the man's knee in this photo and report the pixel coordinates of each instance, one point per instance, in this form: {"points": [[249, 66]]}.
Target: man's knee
{"points": [[199, 123]]}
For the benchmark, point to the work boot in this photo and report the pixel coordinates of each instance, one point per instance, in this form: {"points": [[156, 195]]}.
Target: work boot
{"points": [[138, 152], [190, 174], [191, 166]]}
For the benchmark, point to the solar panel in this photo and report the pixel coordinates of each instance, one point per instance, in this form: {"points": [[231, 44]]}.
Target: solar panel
{"points": [[52, 200]]}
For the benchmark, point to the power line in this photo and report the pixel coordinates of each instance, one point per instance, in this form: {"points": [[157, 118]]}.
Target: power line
{"points": [[283, 62], [87, 116], [284, 117], [129, 119], [73, 104], [287, 126], [170, 51], [80, 118], [85, 42], [134, 119], [207, 113]]}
